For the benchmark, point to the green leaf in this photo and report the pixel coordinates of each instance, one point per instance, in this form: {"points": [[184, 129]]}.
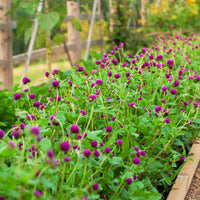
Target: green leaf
{"points": [[48, 21], [76, 24], [45, 144], [94, 135], [23, 24], [116, 161], [28, 33]]}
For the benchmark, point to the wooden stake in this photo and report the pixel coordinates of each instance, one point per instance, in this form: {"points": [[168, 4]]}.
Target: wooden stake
{"points": [[74, 35], [112, 11], [143, 12], [100, 30], [6, 68]]}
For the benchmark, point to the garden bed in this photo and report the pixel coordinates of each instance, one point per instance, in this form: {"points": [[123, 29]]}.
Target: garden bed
{"points": [[116, 128]]}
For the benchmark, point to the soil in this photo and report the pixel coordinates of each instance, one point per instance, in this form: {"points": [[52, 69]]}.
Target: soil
{"points": [[194, 190]]}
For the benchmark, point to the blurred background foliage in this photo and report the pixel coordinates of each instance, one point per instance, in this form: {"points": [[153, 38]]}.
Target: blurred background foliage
{"points": [[128, 27]]}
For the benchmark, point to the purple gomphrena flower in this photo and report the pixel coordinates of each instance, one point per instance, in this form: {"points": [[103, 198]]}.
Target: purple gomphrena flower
{"points": [[135, 177], [136, 161], [98, 62], [26, 90], [92, 97], [129, 181], [117, 76], [107, 150], [37, 173], [95, 187], [109, 74], [121, 45], [182, 158], [136, 148], [74, 128], [142, 153], [167, 120], [108, 129], [186, 103], [172, 27], [26, 80], [57, 98], [55, 71], [164, 88], [22, 126], [35, 130], [99, 82], [173, 91], [176, 83], [1, 134], [195, 105], [32, 96], [158, 109], [36, 104], [65, 146], [55, 83], [94, 143], [11, 144], [17, 96], [50, 154], [119, 142], [47, 74], [38, 193], [96, 153], [67, 159], [114, 62], [80, 69], [30, 117], [170, 162], [83, 112], [191, 122], [87, 153], [113, 118]]}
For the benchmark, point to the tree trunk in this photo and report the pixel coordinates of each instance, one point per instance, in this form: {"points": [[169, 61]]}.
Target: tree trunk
{"points": [[6, 68], [74, 35]]}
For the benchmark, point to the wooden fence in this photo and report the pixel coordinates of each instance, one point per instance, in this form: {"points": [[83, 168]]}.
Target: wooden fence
{"points": [[7, 61]]}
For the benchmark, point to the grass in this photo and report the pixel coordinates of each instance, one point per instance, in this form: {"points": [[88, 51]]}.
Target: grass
{"points": [[37, 69]]}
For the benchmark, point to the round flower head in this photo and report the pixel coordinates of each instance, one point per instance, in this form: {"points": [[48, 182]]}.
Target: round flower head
{"points": [[17, 96], [32, 96], [107, 150], [74, 128], [65, 146], [83, 112], [22, 126], [87, 153], [36, 104], [119, 142], [55, 71], [50, 154], [96, 153], [173, 91], [94, 143], [67, 159], [176, 83], [117, 76], [38, 193], [55, 83], [99, 82], [167, 120], [95, 186], [158, 109], [1, 134], [182, 158], [11, 144], [135, 177], [47, 74], [109, 74], [92, 97], [136, 161], [26, 80], [108, 129], [129, 181], [35, 130], [142, 153]]}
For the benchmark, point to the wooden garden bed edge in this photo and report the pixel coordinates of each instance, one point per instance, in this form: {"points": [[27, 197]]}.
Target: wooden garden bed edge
{"points": [[184, 179]]}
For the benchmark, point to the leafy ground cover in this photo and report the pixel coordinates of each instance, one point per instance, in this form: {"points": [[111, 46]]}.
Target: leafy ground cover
{"points": [[118, 128]]}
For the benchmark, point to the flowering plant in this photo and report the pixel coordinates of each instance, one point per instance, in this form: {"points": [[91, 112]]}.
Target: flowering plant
{"points": [[120, 131]]}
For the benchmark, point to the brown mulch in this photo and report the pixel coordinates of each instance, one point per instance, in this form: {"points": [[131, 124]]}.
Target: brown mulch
{"points": [[194, 190]]}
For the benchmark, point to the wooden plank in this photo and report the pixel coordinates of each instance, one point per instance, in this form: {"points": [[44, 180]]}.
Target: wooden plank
{"points": [[41, 53], [82, 17], [184, 179]]}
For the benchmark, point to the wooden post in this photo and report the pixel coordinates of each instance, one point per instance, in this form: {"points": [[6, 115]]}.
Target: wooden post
{"points": [[6, 71], [143, 12], [112, 11], [100, 30], [74, 35]]}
